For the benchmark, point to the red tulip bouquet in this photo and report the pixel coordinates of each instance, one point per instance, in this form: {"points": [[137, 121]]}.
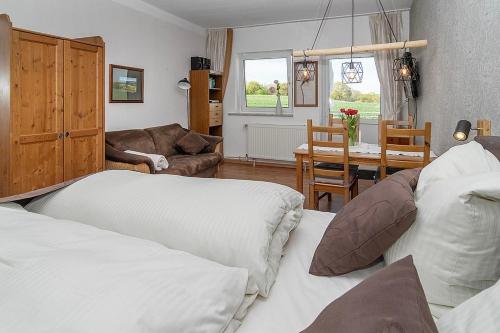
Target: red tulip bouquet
{"points": [[351, 116]]}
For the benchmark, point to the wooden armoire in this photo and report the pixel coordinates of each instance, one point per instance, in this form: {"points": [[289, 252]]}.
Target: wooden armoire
{"points": [[51, 108]]}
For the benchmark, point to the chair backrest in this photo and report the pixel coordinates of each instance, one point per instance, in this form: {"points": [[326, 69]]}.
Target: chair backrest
{"points": [[396, 161], [317, 156], [338, 122], [410, 123]]}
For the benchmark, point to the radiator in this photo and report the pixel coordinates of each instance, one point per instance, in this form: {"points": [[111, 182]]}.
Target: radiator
{"points": [[274, 142]]}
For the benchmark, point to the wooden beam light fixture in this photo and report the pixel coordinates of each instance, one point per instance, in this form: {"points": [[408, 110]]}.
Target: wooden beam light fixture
{"points": [[361, 49]]}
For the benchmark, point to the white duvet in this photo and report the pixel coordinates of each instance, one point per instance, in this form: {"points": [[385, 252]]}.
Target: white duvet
{"points": [[237, 223], [62, 276]]}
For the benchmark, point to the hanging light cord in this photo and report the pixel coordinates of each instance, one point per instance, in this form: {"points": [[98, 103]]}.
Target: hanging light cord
{"points": [[352, 27], [321, 24], [387, 19]]}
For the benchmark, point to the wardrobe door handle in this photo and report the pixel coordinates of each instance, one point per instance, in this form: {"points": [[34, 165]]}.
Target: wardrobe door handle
{"points": [[66, 134], [60, 136]]}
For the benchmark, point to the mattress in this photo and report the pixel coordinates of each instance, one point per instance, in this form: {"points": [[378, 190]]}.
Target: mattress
{"points": [[297, 297]]}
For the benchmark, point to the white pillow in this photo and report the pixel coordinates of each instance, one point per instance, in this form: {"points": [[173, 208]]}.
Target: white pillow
{"points": [[468, 159], [480, 314], [455, 240]]}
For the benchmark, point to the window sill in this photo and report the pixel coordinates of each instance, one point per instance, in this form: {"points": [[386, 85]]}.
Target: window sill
{"points": [[264, 114]]}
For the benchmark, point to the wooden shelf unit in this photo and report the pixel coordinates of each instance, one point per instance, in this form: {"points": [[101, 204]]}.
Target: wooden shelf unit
{"points": [[205, 117]]}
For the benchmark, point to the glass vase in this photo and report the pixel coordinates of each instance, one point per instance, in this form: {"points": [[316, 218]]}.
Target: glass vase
{"points": [[353, 136]]}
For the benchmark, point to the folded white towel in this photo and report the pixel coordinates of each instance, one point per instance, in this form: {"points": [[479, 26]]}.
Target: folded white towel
{"points": [[159, 161]]}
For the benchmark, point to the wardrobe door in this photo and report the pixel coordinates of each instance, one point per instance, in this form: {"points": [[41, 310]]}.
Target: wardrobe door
{"points": [[83, 109], [36, 112]]}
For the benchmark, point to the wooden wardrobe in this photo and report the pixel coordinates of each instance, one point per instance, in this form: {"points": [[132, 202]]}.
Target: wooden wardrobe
{"points": [[51, 108]]}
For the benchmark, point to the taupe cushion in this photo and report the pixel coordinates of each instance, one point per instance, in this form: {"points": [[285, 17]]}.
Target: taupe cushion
{"points": [[135, 139], [213, 140], [367, 226], [192, 143], [389, 301], [188, 165], [166, 137]]}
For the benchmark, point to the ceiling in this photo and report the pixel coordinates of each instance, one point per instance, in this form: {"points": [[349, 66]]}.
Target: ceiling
{"points": [[236, 13]]}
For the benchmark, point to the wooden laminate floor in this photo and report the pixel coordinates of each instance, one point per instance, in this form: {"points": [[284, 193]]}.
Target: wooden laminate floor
{"points": [[281, 175]]}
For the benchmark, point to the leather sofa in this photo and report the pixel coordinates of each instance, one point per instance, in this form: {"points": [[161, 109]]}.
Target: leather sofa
{"points": [[161, 140]]}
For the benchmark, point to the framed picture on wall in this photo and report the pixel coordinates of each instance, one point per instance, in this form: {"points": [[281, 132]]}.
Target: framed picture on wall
{"points": [[305, 87], [126, 84]]}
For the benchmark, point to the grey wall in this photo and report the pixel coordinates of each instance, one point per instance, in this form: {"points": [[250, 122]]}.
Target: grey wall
{"points": [[460, 69]]}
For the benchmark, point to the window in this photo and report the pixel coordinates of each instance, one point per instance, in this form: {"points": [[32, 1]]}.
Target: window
{"points": [[259, 72], [364, 96]]}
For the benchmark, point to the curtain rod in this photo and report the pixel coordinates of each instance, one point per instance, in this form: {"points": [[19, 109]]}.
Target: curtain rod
{"points": [[308, 20]]}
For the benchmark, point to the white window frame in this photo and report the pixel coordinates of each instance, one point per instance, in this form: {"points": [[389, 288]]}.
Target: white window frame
{"points": [[354, 56], [244, 110]]}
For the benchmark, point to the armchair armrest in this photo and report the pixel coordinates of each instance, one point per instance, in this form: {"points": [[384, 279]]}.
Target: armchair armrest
{"points": [[215, 143], [118, 159]]}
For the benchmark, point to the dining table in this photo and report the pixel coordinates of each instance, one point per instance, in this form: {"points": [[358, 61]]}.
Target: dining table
{"points": [[362, 154]]}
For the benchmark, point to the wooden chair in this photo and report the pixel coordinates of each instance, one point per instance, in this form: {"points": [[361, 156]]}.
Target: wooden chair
{"points": [[326, 180], [410, 123], [388, 161]]}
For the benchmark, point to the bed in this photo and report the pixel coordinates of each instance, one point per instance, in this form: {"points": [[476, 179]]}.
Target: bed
{"points": [[293, 303], [263, 231]]}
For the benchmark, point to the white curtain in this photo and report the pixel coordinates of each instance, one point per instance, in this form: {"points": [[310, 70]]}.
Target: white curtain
{"points": [[216, 48], [391, 91]]}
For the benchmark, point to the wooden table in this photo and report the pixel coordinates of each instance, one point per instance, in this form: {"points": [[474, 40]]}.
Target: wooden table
{"points": [[354, 158]]}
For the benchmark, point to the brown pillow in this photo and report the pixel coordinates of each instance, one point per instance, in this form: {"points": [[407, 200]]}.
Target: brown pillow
{"points": [[192, 143], [367, 226], [391, 300]]}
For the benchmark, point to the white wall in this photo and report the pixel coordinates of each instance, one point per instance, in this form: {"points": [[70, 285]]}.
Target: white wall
{"points": [[297, 36], [132, 38]]}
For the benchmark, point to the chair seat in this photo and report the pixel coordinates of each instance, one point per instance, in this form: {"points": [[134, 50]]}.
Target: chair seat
{"points": [[337, 166]]}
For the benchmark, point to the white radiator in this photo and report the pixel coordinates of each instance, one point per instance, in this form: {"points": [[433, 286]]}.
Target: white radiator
{"points": [[274, 142]]}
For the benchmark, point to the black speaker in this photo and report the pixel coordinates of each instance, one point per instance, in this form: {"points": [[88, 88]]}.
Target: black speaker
{"points": [[198, 63], [206, 63]]}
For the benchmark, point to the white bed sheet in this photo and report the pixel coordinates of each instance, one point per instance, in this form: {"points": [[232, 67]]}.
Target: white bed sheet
{"points": [[297, 297]]}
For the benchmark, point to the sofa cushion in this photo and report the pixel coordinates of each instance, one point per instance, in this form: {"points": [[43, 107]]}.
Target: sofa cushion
{"points": [[213, 142], [192, 143], [135, 139], [190, 165], [166, 137]]}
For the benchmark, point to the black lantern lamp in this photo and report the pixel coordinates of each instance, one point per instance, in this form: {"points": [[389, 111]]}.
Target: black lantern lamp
{"points": [[305, 71], [352, 72], [405, 68]]}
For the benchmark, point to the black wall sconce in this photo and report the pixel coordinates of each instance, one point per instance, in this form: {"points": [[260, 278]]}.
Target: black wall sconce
{"points": [[464, 127]]}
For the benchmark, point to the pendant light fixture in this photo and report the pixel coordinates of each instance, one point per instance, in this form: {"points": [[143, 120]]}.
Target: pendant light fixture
{"points": [[306, 71], [352, 72]]}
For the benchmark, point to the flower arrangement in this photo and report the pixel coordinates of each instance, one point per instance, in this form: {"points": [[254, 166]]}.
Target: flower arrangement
{"points": [[351, 116]]}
